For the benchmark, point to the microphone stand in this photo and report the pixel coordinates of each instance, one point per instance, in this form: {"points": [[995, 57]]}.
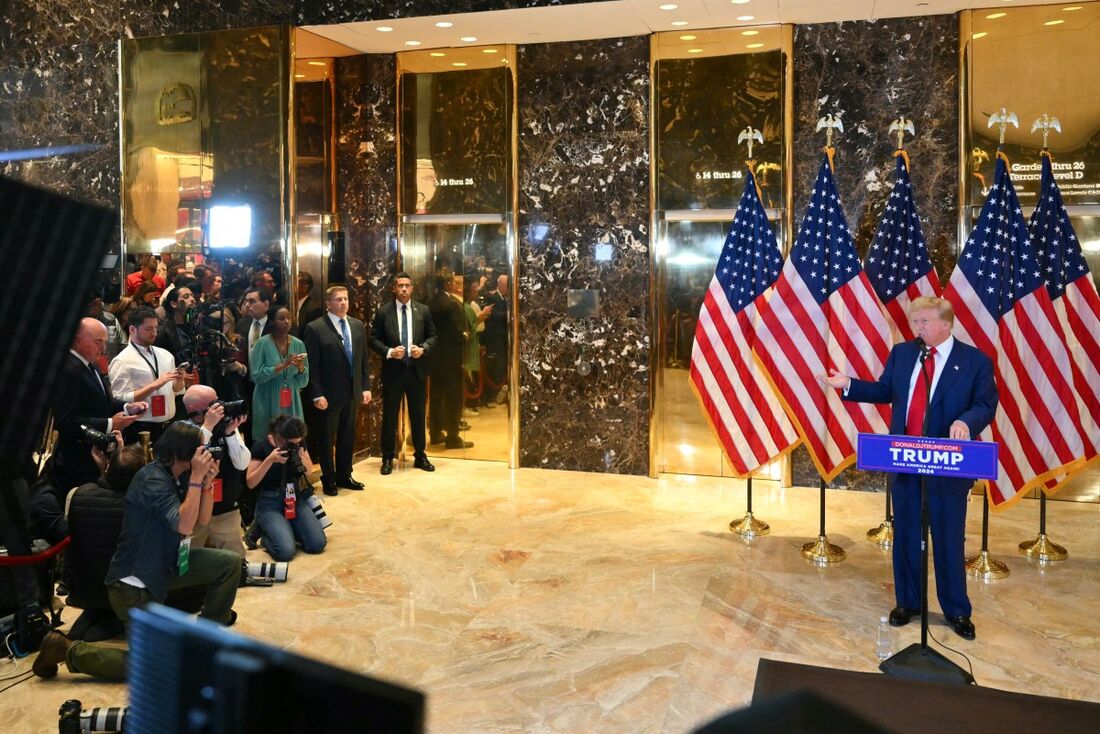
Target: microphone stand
{"points": [[919, 661]]}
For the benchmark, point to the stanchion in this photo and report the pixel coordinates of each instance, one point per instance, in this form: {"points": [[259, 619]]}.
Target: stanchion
{"points": [[821, 550], [1041, 549], [749, 527], [983, 565], [883, 535]]}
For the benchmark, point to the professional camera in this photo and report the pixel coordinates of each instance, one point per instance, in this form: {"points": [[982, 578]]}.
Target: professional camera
{"points": [[216, 452], [233, 408], [293, 454], [209, 350], [73, 720], [106, 442]]}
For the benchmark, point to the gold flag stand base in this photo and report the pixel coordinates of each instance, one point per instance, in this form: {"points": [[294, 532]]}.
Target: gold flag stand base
{"points": [[749, 527], [822, 551], [1041, 549], [883, 535], [986, 567]]}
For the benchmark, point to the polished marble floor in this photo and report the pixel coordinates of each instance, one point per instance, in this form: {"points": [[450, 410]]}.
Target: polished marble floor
{"points": [[545, 601]]}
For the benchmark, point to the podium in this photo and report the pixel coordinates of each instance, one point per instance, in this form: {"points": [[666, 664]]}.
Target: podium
{"points": [[923, 456]]}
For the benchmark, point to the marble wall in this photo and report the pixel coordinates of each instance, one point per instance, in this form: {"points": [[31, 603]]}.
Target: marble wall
{"points": [[584, 224], [366, 190], [870, 73]]}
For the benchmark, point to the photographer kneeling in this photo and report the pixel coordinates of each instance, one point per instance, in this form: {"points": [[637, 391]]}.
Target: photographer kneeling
{"points": [[279, 465], [220, 430], [165, 501]]}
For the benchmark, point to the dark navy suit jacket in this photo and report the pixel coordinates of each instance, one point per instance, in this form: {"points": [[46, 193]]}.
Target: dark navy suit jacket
{"points": [[965, 392]]}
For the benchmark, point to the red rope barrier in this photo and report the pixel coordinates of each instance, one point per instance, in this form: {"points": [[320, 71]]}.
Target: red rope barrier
{"points": [[37, 557]]}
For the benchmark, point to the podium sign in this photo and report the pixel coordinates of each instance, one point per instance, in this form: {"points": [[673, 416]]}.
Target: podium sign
{"points": [[940, 457]]}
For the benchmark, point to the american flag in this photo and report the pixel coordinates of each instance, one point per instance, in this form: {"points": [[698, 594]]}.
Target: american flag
{"points": [[1071, 288], [735, 394], [824, 314], [1002, 308], [897, 264]]}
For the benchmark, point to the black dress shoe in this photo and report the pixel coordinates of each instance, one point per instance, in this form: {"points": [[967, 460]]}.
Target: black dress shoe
{"points": [[331, 490], [900, 616], [350, 483], [387, 466], [434, 439], [423, 463], [458, 443], [963, 627]]}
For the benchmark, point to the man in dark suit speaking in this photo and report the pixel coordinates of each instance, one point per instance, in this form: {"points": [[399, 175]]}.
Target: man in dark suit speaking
{"points": [[403, 334], [336, 346], [957, 382]]}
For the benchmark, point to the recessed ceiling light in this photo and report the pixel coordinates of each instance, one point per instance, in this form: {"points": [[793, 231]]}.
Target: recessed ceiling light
{"points": [[469, 39], [688, 38], [755, 45], [316, 63], [679, 23], [994, 16], [668, 6], [695, 50], [489, 51], [438, 54], [750, 33], [1071, 8], [299, 76], [746, 17], [976, 36], [740, 2], [383, 29], [1054, 22], [459, 63], [444, 24], [412, 43]]}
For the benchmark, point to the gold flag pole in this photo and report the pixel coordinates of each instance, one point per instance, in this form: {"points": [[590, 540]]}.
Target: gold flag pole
{"points": [[748, 527]]}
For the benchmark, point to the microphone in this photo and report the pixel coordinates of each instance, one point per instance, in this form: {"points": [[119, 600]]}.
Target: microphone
{"points": [[923, 347]]}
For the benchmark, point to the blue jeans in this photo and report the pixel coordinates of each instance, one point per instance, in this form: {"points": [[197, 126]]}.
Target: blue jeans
{"points": [[279, 533]]}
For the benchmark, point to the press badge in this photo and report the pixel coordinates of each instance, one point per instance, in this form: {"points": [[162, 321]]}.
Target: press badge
{"points": [[284, 397], [157, 406], [218, 489], [184, 556]]}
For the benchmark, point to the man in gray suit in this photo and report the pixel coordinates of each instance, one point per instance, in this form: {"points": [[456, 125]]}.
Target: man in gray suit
{"points": [[403, 334]]}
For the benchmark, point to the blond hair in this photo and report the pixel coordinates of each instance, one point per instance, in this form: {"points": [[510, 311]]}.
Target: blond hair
{"points": [[332, 290], [942, 307]]}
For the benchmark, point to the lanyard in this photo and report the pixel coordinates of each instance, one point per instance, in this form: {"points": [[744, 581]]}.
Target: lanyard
{"points": [[154, 365]]}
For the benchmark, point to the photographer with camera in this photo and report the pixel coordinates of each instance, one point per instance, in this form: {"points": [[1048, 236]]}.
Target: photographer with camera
{"points": [[146, 372], [278, 469], [219, 422], [175, 333], [48, 500], [166, 500]]}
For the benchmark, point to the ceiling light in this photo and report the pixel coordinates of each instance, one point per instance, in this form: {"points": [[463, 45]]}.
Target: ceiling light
{"points": [[317, 63], [668, 6], [1071, 8], [994, 16], [444, 24], [489, 51], [469, 39], [678, 23], [688, 38], [299, 76], [383, 29], [976, 36], [412, 43], [750, 33], [438, 54], [746, 17], [459, 63], [1054, 22], [755, 45], [695, 50], [740, 2]]}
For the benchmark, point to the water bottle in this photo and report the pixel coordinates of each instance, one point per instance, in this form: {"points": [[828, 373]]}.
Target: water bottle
{"points": [[884, 639]]}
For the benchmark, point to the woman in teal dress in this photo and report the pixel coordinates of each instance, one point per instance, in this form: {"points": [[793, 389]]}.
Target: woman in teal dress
{"points": [[279, 370]]}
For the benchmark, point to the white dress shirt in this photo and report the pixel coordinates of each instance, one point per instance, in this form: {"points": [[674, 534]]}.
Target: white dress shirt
{"points": [[132, 370], [401, 325], [256, 328], [943, 351], [238, 452]]}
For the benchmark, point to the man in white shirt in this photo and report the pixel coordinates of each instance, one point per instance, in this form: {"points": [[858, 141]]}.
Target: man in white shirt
{"points": [[147, 373]]}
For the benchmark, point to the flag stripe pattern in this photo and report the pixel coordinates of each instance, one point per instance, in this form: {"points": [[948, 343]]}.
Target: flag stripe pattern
{"points": [[823, 314], [1070, 285], [1002, 307], [742, 408], [897, 263]]}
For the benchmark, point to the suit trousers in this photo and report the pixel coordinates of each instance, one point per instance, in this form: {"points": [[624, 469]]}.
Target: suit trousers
{"points": [[445, 399], [402, 382], [332, 431], [947, 520]]}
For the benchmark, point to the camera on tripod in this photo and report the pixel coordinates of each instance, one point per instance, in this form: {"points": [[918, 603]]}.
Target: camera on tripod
{"points": [[105, 442]]}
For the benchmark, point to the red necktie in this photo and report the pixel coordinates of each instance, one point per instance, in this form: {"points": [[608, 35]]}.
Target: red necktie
{"points": [[914, 422]]}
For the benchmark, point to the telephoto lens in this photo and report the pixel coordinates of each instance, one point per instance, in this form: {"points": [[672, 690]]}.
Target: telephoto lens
{"points": [[234, 408], [318, 510], [275, 571], [106, 442], [103, 719]]}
